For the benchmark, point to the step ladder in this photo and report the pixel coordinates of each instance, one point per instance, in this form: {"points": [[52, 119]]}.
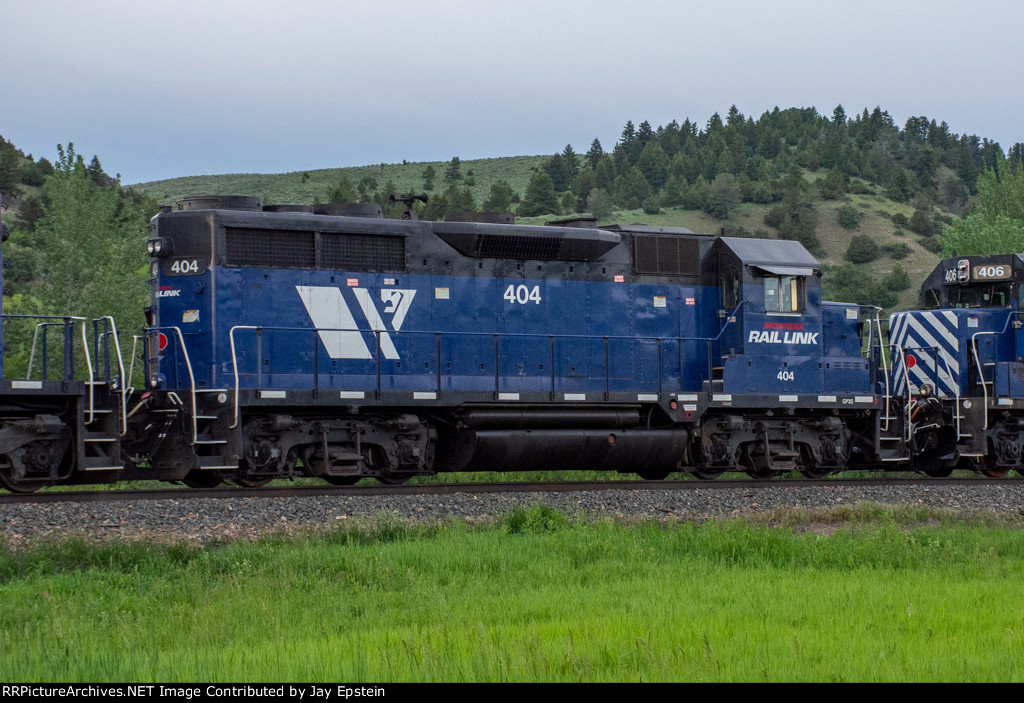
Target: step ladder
{"points": [[209, 448], [101, 429]]}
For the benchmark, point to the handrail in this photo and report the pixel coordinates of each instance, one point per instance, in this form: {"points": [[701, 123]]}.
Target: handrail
{"points": [[906, 379], [885, 366], [881, 352], [66, 320], [537, 336], [981, 371], [135, 346], [120, 367], [954, 384], [191, 375], [234, 365], [92, 378]]}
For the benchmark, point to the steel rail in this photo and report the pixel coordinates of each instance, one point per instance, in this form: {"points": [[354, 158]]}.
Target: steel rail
{"points": [[375, 489]]}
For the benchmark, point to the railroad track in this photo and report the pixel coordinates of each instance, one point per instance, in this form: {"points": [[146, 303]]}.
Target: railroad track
{"points": [[115, 495]]}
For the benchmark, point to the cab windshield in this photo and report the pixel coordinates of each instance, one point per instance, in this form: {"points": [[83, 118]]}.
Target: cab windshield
{"points": [[993, 295]]}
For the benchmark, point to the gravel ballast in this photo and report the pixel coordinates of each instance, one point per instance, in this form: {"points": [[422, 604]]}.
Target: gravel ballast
{"points": [[204, 520]]}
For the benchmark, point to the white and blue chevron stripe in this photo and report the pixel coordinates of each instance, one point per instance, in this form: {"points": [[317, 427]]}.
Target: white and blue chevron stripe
{"points": [[932, 336]]}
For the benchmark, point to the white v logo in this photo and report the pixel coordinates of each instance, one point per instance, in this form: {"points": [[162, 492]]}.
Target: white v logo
{"points": [[337, 327]]}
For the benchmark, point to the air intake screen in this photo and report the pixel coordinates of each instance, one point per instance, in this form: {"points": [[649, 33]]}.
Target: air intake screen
{"points": [[501, 246], [270, 248], [674, 256], [362, 252]]}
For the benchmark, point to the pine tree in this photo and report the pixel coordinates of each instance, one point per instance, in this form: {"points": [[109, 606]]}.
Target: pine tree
{"points": [[839, 117], [555, 167], [653, 163], [452, 173], [500, 197], [428, 178], [344, 192], [570, 162], [723, 196], [604, 174], [10, 170], [628, 135], [594, 154], [540, 198]]}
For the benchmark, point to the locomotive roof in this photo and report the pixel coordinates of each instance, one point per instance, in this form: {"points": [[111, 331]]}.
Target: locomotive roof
{"points": [[782, 257], [652, 229], [960, 271]]}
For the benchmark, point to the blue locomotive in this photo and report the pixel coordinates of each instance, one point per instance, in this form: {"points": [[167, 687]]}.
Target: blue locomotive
{"points": [[293, 341], [964, 352]]}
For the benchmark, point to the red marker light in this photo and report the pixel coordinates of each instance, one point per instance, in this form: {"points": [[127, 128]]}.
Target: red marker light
{"points": [[161, 341], [911, 361]]}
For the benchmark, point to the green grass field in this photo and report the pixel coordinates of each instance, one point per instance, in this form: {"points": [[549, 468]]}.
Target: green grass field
{"points": [[537, 597]]}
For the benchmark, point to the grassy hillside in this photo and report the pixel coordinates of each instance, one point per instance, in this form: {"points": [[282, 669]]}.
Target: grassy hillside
{"points": [[310, 186], [305, 187]]}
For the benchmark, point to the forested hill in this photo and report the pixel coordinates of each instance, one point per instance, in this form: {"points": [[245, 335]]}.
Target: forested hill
{"points": [[871, 198]]}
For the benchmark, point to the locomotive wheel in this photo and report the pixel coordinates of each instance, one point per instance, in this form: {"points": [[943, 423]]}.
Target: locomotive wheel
{"points": [[816, 473], [653, 475], [198, 478], [253, 482], [393, 480], [8, 481], [939, 471], [38, 456], [754, 467], [707, 474], [994, 472], [342, 480]]}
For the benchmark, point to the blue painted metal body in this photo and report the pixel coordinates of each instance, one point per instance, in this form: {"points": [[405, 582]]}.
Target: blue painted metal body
{"points": [[416, 332], [558, 334], [943, 349]]}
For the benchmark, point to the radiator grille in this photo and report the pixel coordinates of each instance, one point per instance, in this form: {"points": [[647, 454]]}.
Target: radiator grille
{"points": [[362, 252], [502, 246], [270, 248], [668, 255]]}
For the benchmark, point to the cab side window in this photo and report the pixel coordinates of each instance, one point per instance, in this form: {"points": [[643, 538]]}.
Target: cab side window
{"points": [[784, 294], [730, 287]]}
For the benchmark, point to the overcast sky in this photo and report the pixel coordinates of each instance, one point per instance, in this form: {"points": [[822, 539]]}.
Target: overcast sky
{"points": [[163, 89]]}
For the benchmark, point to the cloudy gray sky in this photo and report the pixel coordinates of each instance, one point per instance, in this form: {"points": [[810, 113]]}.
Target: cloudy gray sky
{"points": [[162, 89]]}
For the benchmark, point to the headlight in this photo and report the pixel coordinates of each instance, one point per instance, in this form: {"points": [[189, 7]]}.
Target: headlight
{"points": [[158, 247]]}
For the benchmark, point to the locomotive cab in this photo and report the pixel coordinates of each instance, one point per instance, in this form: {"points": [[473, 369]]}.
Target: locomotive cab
{"points": [[779, 337], [966, 347], [966, 341], [789, 388]]}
